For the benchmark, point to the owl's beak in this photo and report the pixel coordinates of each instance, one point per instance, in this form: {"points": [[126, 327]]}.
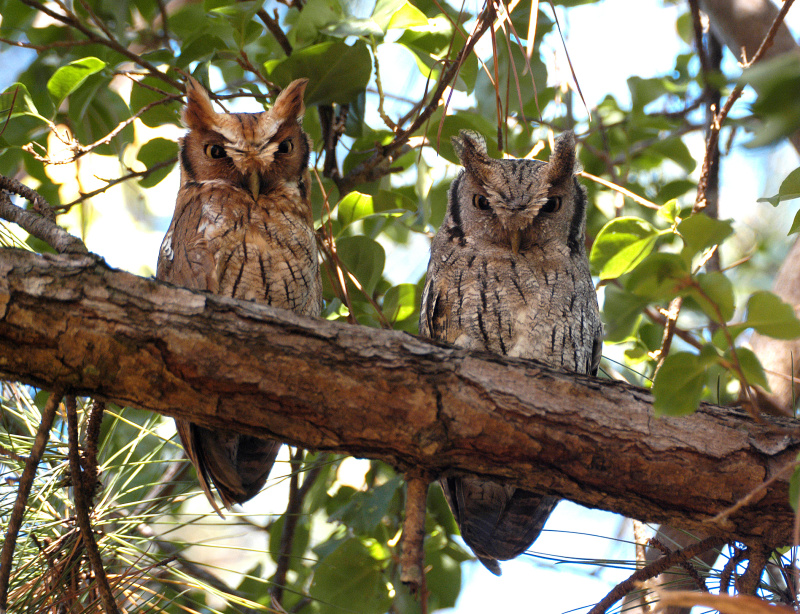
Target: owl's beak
{"points": [[515, 240], [254, 184]]}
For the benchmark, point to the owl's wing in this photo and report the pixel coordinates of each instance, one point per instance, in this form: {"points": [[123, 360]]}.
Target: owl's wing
{"points": [[497, 521], [434, 312], [186, 258]]}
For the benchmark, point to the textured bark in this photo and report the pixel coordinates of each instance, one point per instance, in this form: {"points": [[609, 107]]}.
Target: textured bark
{"points": [[71, 321]]}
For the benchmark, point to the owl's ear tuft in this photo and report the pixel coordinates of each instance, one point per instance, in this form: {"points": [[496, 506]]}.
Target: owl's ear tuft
{"points": [[562, 163], [289, 103], [198, 112], [471, 151], [470, 146]]}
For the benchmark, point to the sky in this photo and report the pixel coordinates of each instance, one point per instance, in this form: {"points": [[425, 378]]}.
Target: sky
{"points": [[607, 43]]}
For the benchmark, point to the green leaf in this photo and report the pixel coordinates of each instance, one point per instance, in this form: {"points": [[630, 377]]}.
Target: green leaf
{"points": [[18, 96], [679, 384], [700, 232], [622, 312], [69, 78], [751, 366], [401, 302], [364, 258], [353, 207], [790, 189], [151, 153], [336, 72], [350, 579], [364, 511], [670, 211], [658, 277], [714, 290], [407, 16], [621, 245], [770, 316], [795, 224]]}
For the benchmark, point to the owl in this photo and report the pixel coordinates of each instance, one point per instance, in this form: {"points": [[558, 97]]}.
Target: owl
{"points": [[242, 228], [508, 274]]}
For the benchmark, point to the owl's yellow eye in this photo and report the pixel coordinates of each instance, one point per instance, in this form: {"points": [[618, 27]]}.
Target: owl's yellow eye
{"points": [[215, 151], [481, 202], [552, 205], [285, 146]]}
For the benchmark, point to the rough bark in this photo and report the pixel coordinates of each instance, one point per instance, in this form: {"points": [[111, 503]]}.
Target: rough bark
{"points": [[71, 321]]}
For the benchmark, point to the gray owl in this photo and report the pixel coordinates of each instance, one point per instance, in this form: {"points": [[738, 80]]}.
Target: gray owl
{"points": [[509, 274]]}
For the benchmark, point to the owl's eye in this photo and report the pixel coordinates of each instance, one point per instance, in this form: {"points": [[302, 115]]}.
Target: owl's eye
{"points": [[215, 151], [552, 205], [286, 146], [481, 202]]}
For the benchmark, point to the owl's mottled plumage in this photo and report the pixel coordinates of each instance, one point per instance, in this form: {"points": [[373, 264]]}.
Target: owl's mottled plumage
{"points": [[509, 274], [242, 228]]}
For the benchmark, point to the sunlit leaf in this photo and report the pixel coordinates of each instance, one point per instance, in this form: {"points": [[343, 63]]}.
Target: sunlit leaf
{"points": [[620, 245], [679, 384], [350, 579], [337, 72], [69, 78], [770, 316], [153, 152]]}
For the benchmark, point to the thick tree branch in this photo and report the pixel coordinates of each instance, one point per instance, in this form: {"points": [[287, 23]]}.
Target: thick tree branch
{"points": [[71, 321]]}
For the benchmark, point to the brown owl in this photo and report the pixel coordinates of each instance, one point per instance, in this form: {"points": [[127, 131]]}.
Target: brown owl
{"points": [[509, 274], [242, 228]]}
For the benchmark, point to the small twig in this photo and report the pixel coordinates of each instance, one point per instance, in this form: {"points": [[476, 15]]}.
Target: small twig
{"points": [[720, 518], [376, 166], [71, 20], [654, 569], [294, 507], [669, 330], [40, 227], [290, 518], [40, 205], [748, 582], [90, 449], [412, 555], [79, 150], [80, 495], [687, 565], [719, 118], [23, 492], [112, 182], [728, 569], [275, 30], [618, 188]]}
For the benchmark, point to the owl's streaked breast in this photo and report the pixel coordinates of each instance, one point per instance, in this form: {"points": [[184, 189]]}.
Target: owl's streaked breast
{"points": [[262, 252]]}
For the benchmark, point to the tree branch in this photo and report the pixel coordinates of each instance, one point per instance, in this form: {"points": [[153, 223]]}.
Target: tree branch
{"points": [[390, 396]]}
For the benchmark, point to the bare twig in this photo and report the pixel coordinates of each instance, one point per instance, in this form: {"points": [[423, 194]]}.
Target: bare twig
{"points": [[718, 119], [79, 150], [275, 30], [90, 450], [71, 20], [654, 569], [412, 554], [294, 507], [81, 495], [23, 492], [40, 227], [377, 165], [112, 182]]}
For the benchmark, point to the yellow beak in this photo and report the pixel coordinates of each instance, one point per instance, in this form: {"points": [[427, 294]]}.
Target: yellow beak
{"points": [[515, 241], [254, 183]]}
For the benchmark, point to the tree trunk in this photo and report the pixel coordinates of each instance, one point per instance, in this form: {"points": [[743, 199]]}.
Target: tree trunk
{"points": [[72, 321]]}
